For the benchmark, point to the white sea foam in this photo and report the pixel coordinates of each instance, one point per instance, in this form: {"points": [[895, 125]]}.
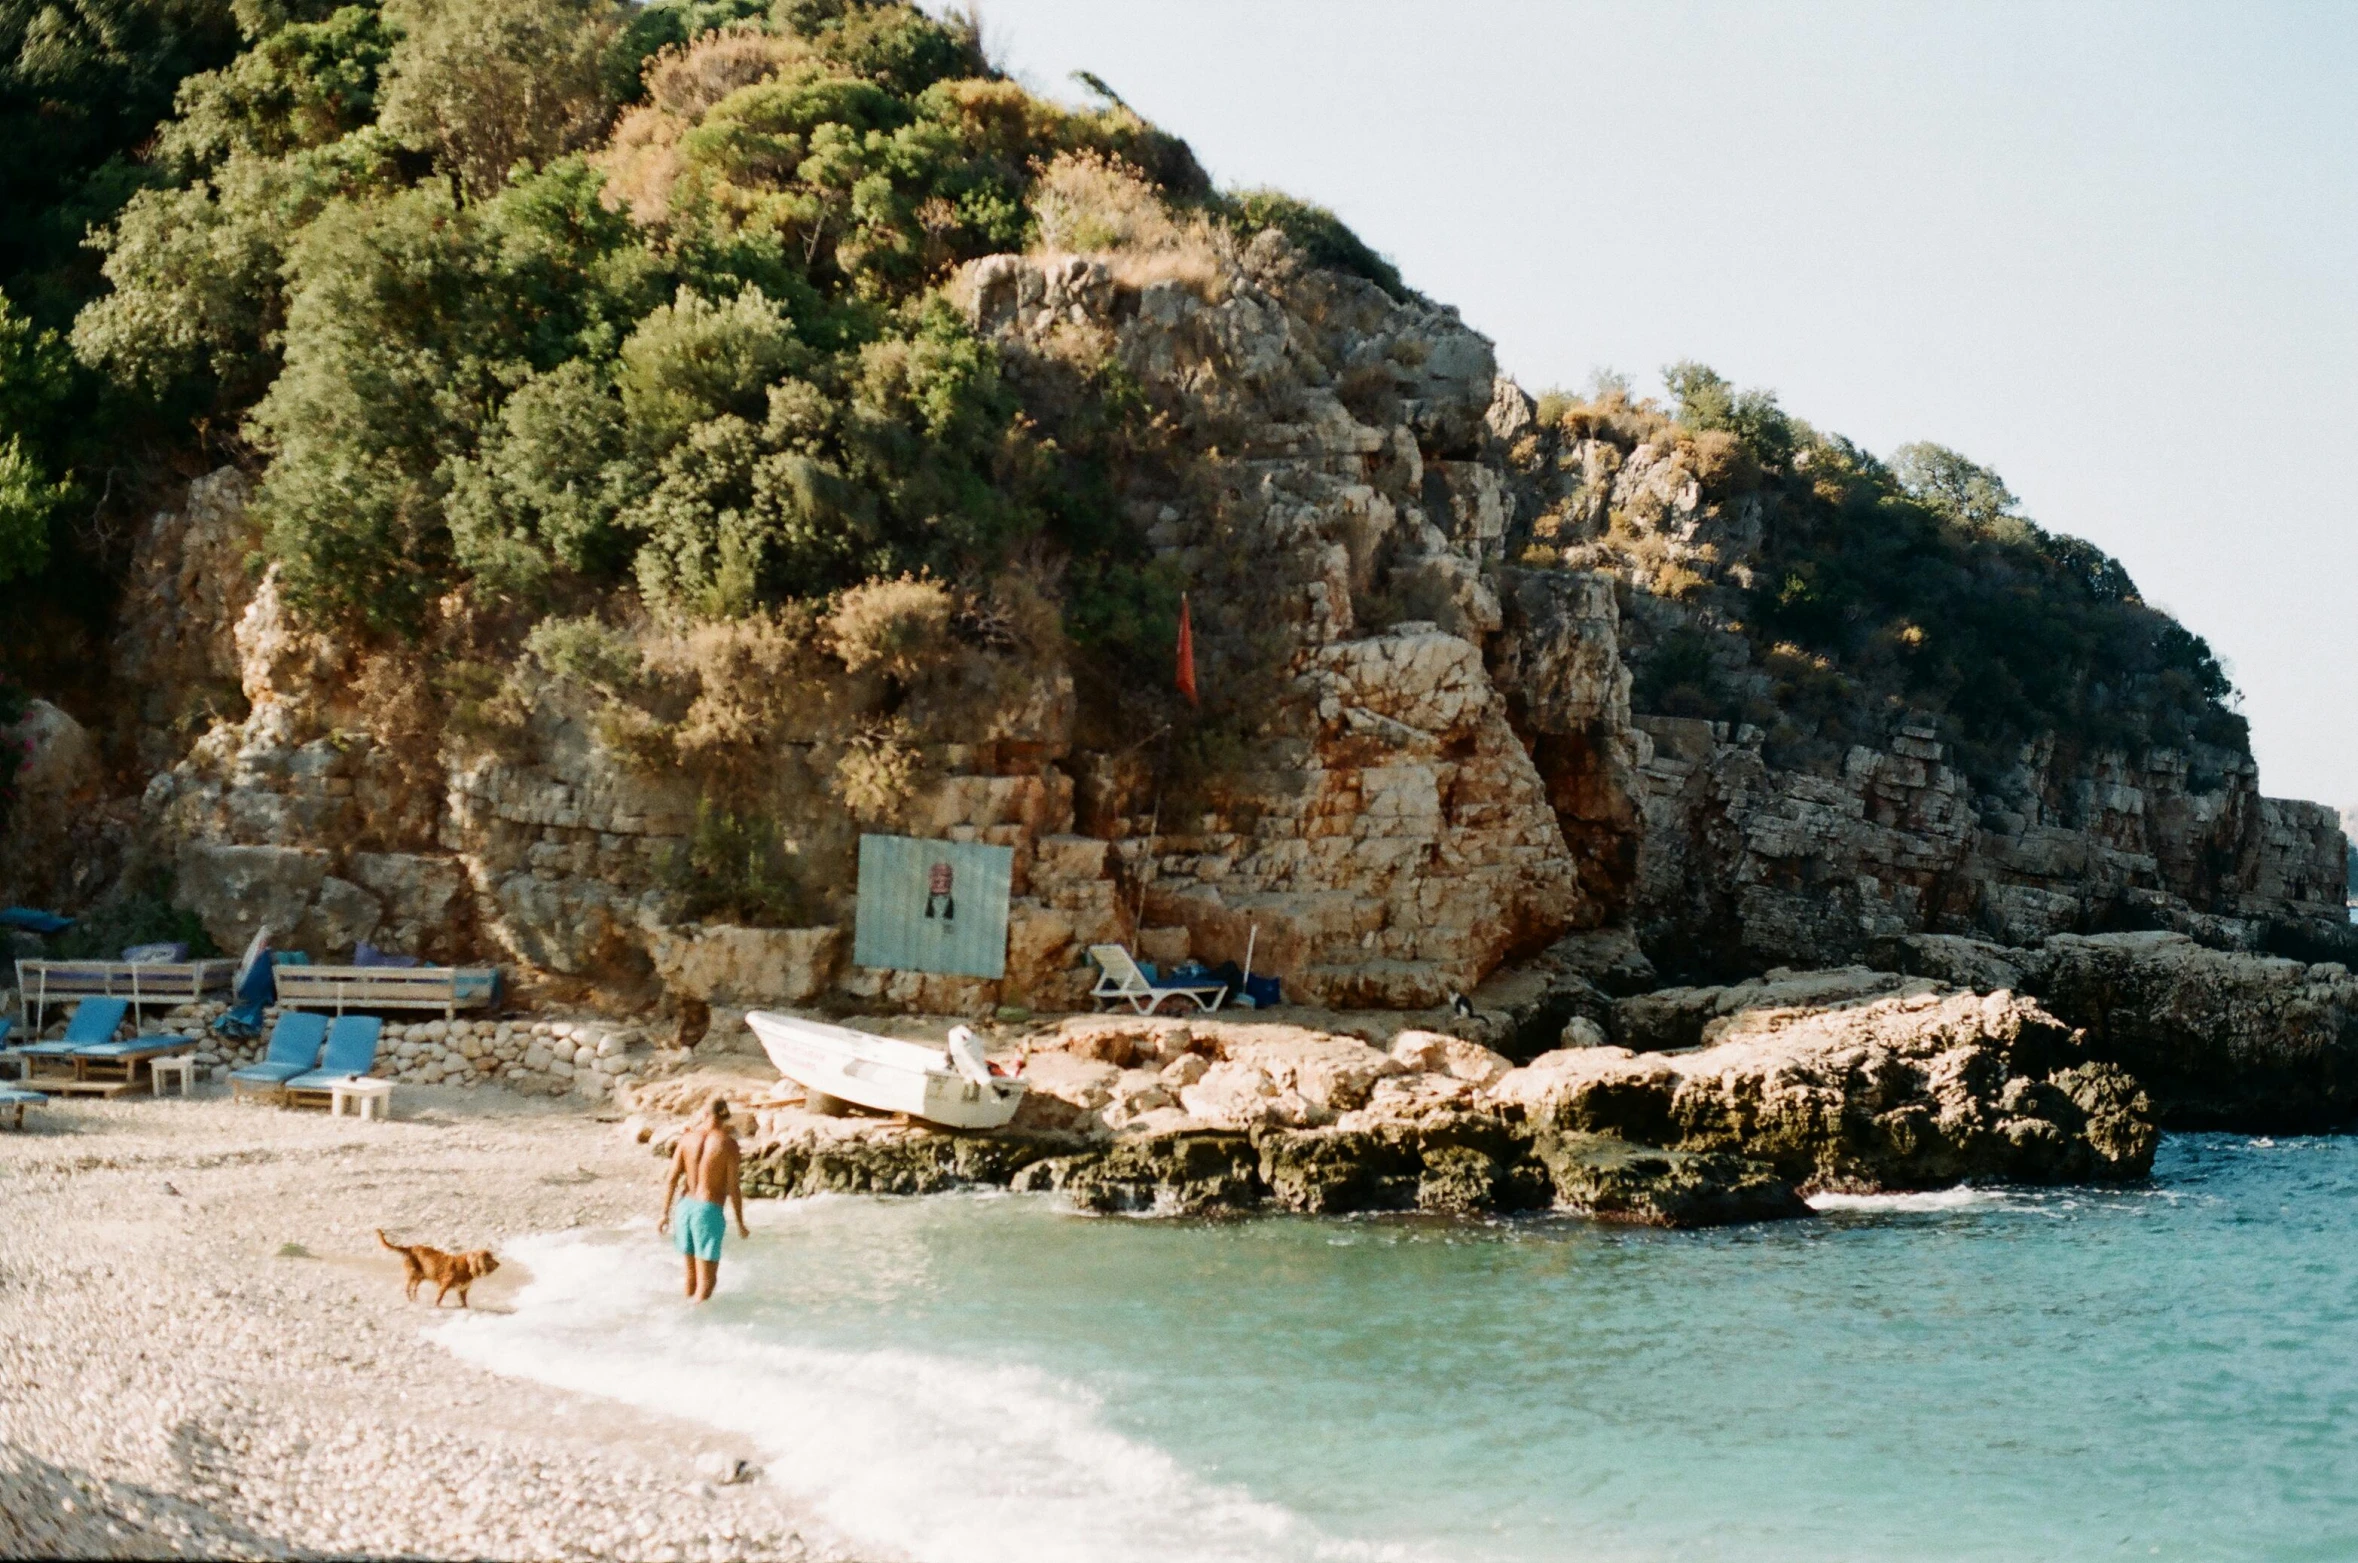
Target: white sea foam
{"points": [[946, 1460], [1935, 1199]]}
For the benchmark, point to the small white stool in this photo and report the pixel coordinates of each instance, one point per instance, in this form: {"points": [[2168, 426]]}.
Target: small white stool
{"points": [[369, 1098], [180, 1064]]}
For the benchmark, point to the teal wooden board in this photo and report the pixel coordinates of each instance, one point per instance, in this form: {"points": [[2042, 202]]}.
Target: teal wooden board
{"points": [[936, 906]]}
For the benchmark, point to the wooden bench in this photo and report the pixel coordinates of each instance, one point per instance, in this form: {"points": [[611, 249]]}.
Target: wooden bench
{"points": [[446, 988], [165, 984]]}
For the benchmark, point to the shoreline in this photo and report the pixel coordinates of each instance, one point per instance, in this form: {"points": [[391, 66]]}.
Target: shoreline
{"points": [[205, 1353]]}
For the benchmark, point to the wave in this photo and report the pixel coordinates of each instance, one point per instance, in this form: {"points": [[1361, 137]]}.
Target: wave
{"points": [[1959, 1198], [944, 1459]]}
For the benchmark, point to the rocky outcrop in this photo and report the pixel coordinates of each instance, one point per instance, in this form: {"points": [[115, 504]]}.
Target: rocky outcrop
{"points": [[1922, 1087], [1468, 1164], [1918, 1090], [2220, 1038]]}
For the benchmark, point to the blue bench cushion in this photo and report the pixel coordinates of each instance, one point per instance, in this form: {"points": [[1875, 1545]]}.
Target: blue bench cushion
{"points": [[321, 1079], [268, 1074], [10, 1096], [137, 1046]]}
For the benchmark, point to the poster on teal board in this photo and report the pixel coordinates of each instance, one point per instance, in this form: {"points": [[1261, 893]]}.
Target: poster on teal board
{"points": [[937, 906]]}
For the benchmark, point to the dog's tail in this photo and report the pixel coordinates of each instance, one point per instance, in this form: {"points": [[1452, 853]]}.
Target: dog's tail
{"points": [[389, 1243]]}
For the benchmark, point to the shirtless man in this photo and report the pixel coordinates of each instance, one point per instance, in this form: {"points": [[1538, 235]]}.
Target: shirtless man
{"points": [[706, 1166]]}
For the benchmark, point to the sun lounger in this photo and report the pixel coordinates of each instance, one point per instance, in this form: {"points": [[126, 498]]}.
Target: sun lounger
{"points": [[1124, 983], [294, 1049], [94, 1021], [351, 1053], [89, 1059], [11, 1098], [123, 1060]]}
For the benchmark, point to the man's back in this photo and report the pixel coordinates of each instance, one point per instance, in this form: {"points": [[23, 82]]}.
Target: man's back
{"points": [[708, 1164]]}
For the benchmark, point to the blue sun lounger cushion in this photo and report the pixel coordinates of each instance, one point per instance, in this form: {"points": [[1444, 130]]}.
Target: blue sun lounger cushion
{"points": [[351, 1050], [95, 1021], [135, 1047], [294, 1048]]}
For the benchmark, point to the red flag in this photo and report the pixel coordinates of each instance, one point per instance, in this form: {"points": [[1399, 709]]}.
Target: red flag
{"points": [[1186, 679]]}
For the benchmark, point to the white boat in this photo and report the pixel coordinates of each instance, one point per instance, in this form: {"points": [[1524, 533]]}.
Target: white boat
{"points": [[889, 1075]]}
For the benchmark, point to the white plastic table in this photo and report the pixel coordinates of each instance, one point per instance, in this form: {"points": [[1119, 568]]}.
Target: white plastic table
{"points": [[369, 1098], [181, 1064]]}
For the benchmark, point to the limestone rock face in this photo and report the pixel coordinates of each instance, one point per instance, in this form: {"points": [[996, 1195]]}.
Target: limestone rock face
{"points": [[1391, 840], [1745, 864], [754, 967], [1417, 667], [59, 784], [175, 641]]}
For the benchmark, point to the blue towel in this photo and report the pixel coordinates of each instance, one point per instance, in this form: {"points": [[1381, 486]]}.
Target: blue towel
{"points": [[365, 954], [1262, 991], [258, 992], [32, 921]]}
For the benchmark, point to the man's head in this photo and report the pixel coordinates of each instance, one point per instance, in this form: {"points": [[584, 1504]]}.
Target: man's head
{"points": [[716, 1113]]}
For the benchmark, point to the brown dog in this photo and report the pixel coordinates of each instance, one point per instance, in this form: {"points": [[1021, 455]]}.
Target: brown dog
{"points": [[448, 1272]]}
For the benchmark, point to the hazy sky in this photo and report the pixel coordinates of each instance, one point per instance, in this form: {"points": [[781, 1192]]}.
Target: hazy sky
{"points": [[2110, 251]]}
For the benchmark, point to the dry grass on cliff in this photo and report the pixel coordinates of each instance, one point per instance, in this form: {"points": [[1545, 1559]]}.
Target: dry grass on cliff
{"points": [[641, 158], [1088, 203], [897, 627]]}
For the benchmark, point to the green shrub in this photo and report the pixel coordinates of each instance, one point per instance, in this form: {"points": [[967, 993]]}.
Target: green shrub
{"points": [[587, 652], [735, 868], [1321, 236]]}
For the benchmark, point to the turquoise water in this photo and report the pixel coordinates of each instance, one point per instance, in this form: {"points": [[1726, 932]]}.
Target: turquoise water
{"points": [[2168, 1372]]}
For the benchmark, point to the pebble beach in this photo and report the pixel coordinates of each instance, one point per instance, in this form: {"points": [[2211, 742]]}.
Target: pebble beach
{"points": [[205, 1353]]}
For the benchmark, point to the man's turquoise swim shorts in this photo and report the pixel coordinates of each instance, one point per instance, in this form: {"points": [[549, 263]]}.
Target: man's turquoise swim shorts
{"points": [[698, 1225]]}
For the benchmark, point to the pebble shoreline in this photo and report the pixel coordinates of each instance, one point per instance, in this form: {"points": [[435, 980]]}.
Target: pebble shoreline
{"points": [[204, 1353]]}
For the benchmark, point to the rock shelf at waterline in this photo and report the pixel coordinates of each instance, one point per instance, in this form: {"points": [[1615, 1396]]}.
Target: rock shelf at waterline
{"points": [[1911, 1087]]}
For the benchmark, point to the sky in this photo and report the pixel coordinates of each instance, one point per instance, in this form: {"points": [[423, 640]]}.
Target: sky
{"points": [[2110, 251]]}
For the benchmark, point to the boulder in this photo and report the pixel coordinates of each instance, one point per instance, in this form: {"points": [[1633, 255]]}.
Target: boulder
{"points": [[1233, 1096], [1333, 1073], [1064, 1093], [1432, 1052]]}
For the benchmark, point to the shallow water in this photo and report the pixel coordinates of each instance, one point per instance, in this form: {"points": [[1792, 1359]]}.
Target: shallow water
{"points": [[2169, 1371]]}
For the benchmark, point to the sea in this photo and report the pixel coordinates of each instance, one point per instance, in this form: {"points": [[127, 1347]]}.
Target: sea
{"points": [[2168, 1370]]}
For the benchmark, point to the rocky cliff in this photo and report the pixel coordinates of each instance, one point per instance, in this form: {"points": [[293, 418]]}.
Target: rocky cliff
{"points": [[1424, 753]]}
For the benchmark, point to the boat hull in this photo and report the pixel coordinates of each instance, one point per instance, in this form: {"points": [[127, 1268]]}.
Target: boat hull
{"points": [[882, 1073]]}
